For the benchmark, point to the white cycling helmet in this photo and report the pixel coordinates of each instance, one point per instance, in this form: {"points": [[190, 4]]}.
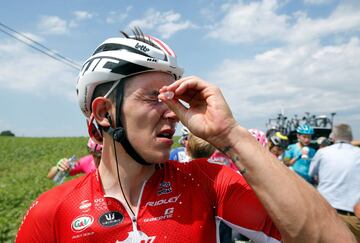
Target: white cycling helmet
{"points": [[184, 135], [121, 57]]}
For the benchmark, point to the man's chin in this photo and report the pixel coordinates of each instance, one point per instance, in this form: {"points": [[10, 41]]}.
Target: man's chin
{"points": [[159, 157]]}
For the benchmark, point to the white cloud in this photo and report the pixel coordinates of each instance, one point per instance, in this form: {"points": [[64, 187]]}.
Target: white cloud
{"points": [[318, 2], [260, 22], [80, 16], [166, 23], [53, 25], [306, 78], [344, 20], [83, 15], [118, 16], [25, 71], [248, 22]]}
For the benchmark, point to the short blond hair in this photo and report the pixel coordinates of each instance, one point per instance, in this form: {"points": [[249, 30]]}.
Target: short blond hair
{"points": [[199, 148], [342, 132]]}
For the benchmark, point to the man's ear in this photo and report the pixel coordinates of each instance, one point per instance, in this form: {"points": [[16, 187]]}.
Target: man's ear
{"points": [[101, 108]]}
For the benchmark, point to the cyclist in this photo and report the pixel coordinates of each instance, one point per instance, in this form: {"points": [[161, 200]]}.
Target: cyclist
{"points": [[298, 156], [259, 136], [180, 153], [136, 195], [86, 164], [277, 143]]}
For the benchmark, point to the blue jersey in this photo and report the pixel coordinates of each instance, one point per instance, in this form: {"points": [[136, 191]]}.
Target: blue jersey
{"points": [[303, 158], [179, 154]]}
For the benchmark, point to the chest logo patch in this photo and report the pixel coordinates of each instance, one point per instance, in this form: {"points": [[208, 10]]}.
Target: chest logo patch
{"points": [[111, 218], [164, 188], [82, 222]]}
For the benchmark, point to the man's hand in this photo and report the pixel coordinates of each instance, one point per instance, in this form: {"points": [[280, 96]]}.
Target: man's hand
{"points": [[208, 115]]}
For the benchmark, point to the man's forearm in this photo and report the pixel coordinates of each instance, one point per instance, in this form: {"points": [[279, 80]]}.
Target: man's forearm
{"points": [[296, 208]]}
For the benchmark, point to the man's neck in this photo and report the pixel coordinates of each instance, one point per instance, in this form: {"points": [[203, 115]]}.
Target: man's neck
{"points": [[341, 141], [132, 175]]}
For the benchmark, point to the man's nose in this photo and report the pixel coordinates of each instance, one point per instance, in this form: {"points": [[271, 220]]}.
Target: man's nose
{"points": [[169, 114]]}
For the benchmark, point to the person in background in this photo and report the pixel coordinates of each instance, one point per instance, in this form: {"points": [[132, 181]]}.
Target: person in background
{"points": [[132, 92], [221, 158], [198, 148], [323, 142], [337, 168], [259, 135], [180, 154], [86, 164], [298, 156], [357, 209], [277, 143], [356, 143]]}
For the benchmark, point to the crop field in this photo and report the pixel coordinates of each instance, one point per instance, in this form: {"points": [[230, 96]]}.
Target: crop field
{"points": [[24, 164]]}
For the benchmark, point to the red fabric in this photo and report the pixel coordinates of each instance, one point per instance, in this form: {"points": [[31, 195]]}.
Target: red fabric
{"points": [[179, 203]]}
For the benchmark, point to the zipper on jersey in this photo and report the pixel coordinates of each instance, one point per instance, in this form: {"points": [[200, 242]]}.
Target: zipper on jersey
{"points": [[134, 218]]}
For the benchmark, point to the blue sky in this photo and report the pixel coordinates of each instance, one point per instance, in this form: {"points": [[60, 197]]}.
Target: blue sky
{"points": [[299, 56]]}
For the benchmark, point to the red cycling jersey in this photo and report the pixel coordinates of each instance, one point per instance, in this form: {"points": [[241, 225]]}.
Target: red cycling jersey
{"points": [[181, 202]]}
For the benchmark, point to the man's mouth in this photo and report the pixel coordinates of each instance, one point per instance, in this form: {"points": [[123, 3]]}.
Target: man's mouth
{"points": [[166, 133]]}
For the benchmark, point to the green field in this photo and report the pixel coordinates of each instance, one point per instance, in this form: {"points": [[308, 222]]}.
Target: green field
{"points": [[24, 163]]}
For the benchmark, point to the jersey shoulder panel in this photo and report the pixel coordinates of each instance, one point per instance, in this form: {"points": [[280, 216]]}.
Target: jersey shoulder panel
{"points": [[38, 222]]}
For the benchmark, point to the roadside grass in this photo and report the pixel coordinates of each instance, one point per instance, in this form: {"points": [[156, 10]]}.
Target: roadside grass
{"points": [[24, 164]]}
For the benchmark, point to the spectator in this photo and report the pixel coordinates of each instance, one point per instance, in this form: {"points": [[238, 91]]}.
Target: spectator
{"points": [[277, 143], [86, 164], [221, 158], [298, 156], [323, 142], [198, 148], [180, 154], [356, 143], [260, 136], [338, 170], [357, 209]]}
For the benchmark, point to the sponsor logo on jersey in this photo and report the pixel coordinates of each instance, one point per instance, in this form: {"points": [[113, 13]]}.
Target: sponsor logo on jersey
{"points": [[163, 201], [168, 213], [86, 234], [164, 188], [111, 218], [101, 204], [137, 236], [164, 191], [82, 222], [85, 205]]}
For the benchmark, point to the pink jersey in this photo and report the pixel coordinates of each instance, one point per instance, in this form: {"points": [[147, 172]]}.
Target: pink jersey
{"points": [[84, 165], [181, 202], [220, 158]]}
